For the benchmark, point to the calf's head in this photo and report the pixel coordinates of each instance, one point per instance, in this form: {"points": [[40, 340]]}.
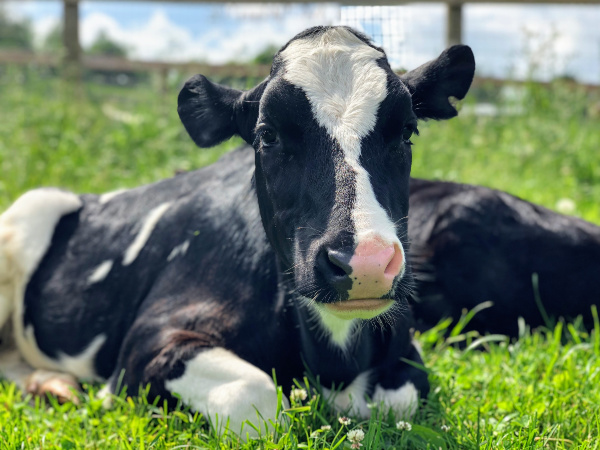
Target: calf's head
{"points": [[331, 129]]}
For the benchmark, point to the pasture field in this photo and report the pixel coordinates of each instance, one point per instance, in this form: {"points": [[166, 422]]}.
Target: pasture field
{"points": [[539, 391]]}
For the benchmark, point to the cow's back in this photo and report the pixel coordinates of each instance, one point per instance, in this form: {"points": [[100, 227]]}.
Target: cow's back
{"points": [[117, 253]]}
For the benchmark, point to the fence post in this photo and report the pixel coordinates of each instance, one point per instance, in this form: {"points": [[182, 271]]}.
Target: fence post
{"points": [[454, 23], [72, 59]]}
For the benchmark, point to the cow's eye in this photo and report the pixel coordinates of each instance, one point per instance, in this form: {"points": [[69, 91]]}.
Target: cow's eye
{"points": [[268, 137]]}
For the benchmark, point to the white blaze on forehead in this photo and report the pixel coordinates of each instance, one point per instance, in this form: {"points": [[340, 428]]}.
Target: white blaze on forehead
{"points": [[345, 85]]}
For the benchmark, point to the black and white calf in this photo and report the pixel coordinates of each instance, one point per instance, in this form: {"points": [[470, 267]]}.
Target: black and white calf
{"points": [[202, 284], [290, 256]]}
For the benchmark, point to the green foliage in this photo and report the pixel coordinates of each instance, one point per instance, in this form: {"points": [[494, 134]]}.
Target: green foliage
{"points": [[539, 391], [53, 43], [265, 57], [14, 34], [104, 46]]}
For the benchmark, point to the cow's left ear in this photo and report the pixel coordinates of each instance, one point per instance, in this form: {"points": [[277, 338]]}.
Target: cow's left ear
{"points": [[450, 75], [212, 113]]}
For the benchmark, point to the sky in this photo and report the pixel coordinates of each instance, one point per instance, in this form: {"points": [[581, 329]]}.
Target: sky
{"points": [[507, 39]]}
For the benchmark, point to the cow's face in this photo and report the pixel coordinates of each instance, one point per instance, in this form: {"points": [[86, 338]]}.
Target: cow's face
{"points": [[331, 128]]}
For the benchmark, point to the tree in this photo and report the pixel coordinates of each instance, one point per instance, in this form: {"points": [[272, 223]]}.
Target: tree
{"points": [[13, 33], [106, 47]]}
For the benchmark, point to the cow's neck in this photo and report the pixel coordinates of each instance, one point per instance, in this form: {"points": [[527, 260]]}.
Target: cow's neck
{"points": [[335, 363]]}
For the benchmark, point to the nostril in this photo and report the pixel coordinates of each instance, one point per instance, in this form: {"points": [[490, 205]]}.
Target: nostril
{"points": [[339, 263], [396, 263]]}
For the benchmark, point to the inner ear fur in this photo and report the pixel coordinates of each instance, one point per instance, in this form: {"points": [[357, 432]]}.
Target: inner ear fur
{"points": [[431, 85], [212, 113]]}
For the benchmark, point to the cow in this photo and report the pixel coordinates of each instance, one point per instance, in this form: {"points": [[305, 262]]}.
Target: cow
{"points": [[471, 244], [272, 259], [288, 255]]}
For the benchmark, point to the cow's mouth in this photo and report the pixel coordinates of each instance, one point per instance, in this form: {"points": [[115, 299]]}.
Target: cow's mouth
{"points": [[360, 308]]}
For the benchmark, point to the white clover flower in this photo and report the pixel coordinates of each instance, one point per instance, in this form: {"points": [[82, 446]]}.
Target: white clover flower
{"points": [[326, 428], [345, 420], [355, 436], [445, 428], [314, 435], [404, 426], [298, 395]]}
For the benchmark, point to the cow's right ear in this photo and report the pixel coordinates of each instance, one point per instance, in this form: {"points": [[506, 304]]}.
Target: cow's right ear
{"points": [[212, 113], [207, 111]]}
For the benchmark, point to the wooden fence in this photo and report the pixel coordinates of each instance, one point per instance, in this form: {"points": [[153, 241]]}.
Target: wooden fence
{"points": [[74, 61], [234, 71]]}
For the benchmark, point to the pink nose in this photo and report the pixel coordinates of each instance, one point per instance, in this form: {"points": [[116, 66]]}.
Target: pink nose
{"points": [[374, 264]]}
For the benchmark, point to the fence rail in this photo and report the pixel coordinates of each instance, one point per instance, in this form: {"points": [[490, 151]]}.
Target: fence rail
{"points": [[113, 64]]}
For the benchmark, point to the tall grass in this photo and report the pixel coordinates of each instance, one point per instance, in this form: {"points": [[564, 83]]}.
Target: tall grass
{"points": [[539, 391]]}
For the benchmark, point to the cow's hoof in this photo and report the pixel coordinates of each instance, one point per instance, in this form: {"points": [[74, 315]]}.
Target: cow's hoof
{"points": [[62, 386]]}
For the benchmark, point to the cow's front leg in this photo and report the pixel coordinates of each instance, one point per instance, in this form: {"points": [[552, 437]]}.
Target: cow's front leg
{"points": [[399, 385], [196, 367], [224, 387], [396, 385]]}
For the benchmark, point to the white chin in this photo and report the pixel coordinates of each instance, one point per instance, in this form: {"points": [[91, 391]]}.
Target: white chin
{"points": [[367, 308]]}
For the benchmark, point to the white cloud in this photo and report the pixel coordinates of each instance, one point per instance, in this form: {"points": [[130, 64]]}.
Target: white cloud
{"points": [[160, 38], [499, 34]]}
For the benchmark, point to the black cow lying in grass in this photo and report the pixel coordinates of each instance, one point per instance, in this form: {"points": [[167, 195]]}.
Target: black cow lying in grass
{"points": [[292, 256]]}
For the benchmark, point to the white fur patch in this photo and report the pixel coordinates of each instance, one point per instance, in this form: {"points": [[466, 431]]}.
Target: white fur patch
{"points": [[81, 365], [106, 395], [221, 385], [403, 401], [351, 399], [143, 235], [26, 230], [340, 330], [345, 86], [108, 196], [100, 272], [179, 250]]}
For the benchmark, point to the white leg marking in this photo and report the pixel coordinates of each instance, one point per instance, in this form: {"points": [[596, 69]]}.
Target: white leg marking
{"points": [[181, 249], [108, 196], [100, 272], [143, 235], [81, 366], [352, 398], [345, 86], [403, 401], [221, 385], [105, 394]]}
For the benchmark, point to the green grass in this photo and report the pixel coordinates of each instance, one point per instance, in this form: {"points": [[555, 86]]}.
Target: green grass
{"points": [[540, 391]]}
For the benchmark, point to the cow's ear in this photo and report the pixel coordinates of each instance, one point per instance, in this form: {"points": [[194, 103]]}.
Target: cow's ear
{"points": [[431, 85], [207, 111], [212, 113]]}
